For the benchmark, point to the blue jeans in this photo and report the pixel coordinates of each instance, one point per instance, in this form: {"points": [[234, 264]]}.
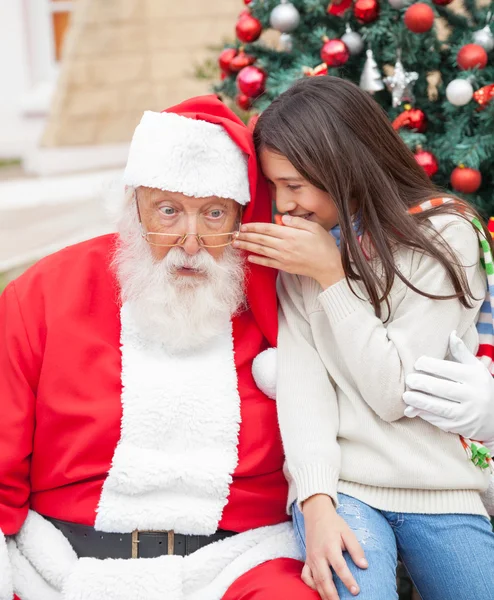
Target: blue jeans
{"points": [[448, 557]]}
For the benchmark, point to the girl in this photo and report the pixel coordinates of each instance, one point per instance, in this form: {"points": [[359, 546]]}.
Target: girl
{"points": [[353, 322]]}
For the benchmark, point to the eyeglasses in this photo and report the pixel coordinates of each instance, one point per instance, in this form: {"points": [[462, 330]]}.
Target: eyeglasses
{"points": [[205, 240], [208, 240]]}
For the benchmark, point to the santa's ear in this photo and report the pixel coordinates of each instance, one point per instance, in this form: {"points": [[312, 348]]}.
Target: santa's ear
{"points": [[264, 369]]}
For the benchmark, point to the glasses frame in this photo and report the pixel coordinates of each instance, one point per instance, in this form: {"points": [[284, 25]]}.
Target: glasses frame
{"points": [[182, 238]]}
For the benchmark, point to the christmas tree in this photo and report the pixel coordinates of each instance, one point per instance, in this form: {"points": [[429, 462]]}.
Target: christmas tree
{"points": [[430, 65]]}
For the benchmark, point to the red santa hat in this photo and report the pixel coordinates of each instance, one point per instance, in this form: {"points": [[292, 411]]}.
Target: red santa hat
{"points": [[176, 152], [201, 148]]}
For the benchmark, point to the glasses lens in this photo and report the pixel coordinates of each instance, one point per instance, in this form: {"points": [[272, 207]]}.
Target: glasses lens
{"points": [[216, 240], [163, 239]]}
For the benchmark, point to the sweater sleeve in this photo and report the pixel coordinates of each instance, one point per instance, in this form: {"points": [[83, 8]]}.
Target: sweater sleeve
{"points": [[379, 356], [17, 402], [306, 400]]}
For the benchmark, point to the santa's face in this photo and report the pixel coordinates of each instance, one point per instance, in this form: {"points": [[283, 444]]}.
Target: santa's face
{"points": [[179, 295], [209, 224]]}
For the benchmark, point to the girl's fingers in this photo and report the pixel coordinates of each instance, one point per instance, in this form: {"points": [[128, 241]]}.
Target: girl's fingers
{"points": [[307, 577], [257, 249], [260, 238], [270, 229], [338, 563], [299, 223], [321, 574], [355, 550], [265, 262]]}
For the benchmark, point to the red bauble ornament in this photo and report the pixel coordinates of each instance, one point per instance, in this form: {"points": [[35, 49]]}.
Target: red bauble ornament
{"points": [[490, 226], [427, 161], [366, 11], [335, 53], [465, 180], [338, 7], [251, 81], [419, 18], [484, 95], [225, 58], [442, 2], [248, 29], [240, 61], [247, 2], [413, 118], [252, 122], [243, 101], [471, 56]]}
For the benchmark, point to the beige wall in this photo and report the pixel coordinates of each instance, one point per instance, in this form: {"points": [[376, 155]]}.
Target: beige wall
{"points": [[124, 56]]}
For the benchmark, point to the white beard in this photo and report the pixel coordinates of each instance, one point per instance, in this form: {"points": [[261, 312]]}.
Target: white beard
{"points": [[181, 312]]}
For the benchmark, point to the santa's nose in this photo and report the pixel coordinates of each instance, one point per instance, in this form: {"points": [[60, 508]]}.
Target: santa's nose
{"points": [[191, 244]]}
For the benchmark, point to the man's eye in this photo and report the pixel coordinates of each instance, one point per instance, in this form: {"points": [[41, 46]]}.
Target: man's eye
{"points": [[168, 211], [216, 214]]}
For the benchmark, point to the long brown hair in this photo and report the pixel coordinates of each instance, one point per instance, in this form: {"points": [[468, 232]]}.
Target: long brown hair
{"points": [[340, 140]]}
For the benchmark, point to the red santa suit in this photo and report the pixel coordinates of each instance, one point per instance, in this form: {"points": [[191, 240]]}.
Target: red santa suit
{"points": [[103, 428]]}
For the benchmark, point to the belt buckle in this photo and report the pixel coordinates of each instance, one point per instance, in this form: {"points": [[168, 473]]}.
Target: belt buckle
{"points": [[135, 541]]}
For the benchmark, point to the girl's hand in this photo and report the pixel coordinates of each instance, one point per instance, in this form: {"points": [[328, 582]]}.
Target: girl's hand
{"points": [[300, 248], [327, 536]]}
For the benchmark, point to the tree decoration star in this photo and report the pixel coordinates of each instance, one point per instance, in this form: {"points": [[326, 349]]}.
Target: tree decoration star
{"points": [[400, 84]]}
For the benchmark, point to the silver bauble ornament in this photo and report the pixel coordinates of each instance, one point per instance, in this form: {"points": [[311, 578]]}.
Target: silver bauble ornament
{"points": [[459, 92], [399, 3], [284, 17], [353, 41], [286, 42], [483, 37], [370, 80], [401, 83]]}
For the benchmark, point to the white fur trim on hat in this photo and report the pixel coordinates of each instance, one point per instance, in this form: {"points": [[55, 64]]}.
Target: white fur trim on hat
{"points": [[196, 158], [264, 372]]}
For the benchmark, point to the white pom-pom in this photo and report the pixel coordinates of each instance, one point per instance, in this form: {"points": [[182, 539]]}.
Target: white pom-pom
{"points": [[6, 585], [264, 372]]}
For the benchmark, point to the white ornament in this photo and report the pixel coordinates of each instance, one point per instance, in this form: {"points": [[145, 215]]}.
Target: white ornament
{"points": [[399, 3], [353, 41], [483, 37], [370, 80], [459, 92], [400, 84], [284, 17], [286, 42]]}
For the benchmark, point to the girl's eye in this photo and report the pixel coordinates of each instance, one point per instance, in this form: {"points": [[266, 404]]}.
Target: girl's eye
{"points": [[216, 214], [168, 211], [294, 187]]}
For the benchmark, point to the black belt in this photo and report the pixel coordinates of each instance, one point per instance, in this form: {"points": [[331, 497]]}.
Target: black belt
{"points": [[87, 542]]}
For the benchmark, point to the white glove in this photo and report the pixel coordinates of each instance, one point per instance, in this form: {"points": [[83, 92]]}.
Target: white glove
{"points": [[457, 397]]}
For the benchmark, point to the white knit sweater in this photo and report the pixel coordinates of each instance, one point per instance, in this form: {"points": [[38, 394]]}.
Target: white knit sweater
{"points": [[341, 377]]}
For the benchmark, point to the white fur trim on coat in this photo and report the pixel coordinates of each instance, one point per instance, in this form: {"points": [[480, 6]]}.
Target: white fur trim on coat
{"points": [[46, 548], [488, 496], [29, 584], [173, 464], [264, 369], [204, 575], [174, 153], [6, 585]]}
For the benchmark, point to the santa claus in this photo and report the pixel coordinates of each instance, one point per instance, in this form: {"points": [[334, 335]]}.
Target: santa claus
{"points": [[138, 457]]}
